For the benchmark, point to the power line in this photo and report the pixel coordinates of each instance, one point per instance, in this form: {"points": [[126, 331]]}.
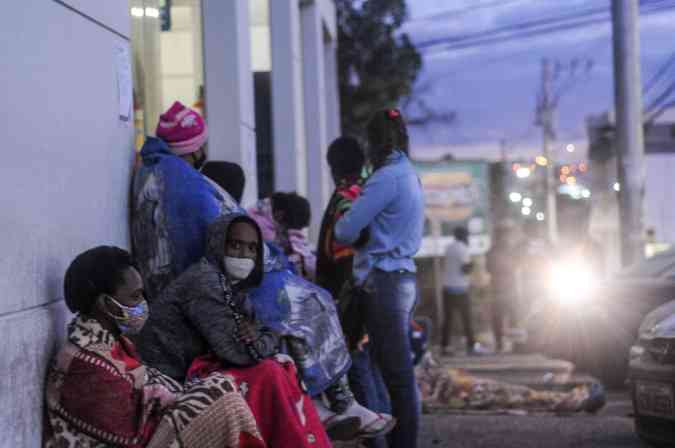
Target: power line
{"points": [[479, 39], [509, 28], [659, 73], [582, 19], [665, 94], [463, 11]]}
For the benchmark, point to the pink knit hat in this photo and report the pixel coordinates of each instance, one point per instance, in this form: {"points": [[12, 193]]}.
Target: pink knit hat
{"points": [[183, 129]]}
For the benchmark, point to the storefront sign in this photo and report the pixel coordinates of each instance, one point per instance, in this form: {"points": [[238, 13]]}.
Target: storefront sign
{"points": [[456, 194]]}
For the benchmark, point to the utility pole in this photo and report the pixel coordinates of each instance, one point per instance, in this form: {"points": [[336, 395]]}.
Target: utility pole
{"points": [[629, 130], [545, 113]]}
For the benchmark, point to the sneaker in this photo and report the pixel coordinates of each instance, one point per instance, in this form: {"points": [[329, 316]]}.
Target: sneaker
{"points": [[339, 427], [373, 424]]}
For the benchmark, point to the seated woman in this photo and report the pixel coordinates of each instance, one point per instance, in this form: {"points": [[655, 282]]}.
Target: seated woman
{"points": [[203, 323], [100, 394]]}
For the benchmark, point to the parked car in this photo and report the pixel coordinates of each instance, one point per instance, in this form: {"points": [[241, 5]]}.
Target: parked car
{"points": [[593, 323], [652, 377]]}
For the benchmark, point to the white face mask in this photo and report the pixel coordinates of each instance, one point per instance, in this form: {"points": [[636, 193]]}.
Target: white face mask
{"points": [[239, 268]]}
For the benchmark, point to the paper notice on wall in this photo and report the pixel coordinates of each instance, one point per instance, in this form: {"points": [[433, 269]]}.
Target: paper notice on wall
{"points": [[124, 82]]}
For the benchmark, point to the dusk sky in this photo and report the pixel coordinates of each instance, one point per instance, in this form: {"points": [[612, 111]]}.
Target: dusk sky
{"points": [[493, 88]]}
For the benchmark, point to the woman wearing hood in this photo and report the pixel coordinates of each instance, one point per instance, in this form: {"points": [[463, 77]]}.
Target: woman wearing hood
{"points": [[204, 322]]}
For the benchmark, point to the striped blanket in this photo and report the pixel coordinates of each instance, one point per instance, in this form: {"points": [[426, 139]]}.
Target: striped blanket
{"points": [[100, 394]]}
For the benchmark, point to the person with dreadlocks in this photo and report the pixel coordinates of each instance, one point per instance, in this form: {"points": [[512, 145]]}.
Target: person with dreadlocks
{"points": [[391, 207]]}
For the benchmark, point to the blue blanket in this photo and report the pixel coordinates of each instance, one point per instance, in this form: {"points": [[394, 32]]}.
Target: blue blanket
{"points": [[172, 207], [294, 307]]}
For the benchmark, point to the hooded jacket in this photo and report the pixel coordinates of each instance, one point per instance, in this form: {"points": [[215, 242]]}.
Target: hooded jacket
{"points": [[192, 316]]}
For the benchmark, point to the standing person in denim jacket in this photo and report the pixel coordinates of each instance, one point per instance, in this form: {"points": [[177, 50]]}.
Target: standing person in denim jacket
{"points": [[392, 208]]}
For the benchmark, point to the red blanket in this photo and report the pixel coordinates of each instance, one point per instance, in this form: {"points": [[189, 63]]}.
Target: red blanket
{"points": [[285, 415]]}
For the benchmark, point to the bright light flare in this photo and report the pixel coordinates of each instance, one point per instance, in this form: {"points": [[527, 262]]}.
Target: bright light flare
{"points": [[540, 216], [526, 211], [571, 282], [570, 148], [523, 172], [616, 186], [541, 161], [527, 202], [515, 196]]}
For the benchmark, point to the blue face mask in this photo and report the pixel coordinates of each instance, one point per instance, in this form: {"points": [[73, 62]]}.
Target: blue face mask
{"points": [[130, 319]]}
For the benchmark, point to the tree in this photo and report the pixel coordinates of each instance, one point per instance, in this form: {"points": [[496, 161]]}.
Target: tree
{"points": [[377, 66]]}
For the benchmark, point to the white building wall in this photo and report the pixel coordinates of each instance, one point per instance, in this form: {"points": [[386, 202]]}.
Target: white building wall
{"points": [[290, 155], [64, 180], [304, 98], [660, 197], [229, 87], [316, 111]]}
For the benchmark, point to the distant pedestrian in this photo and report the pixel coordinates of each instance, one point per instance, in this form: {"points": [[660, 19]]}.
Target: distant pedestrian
{"points": [[392, 208], [456, 290]]}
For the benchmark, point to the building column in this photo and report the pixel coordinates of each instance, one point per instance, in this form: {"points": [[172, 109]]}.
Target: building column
{"points": [[332, 89], [315, 108], [290, 158], [229, 87]]}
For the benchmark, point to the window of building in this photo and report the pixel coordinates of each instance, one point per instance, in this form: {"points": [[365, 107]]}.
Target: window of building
{"points": [[168, 64]]}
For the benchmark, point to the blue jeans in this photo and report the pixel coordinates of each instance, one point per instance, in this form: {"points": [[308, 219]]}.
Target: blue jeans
{"points": [[369, 390], [388, 313]]}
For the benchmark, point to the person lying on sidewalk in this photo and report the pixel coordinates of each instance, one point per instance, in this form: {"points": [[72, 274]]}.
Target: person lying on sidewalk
{"points": [[443, 389], [282, 218], [204, 323], [98, 391]]}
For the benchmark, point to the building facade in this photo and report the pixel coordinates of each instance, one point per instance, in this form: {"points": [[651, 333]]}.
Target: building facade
{"points": [[83, 83], [658, 199]]}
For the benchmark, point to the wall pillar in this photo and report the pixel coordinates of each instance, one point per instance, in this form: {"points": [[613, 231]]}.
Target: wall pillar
{"points": [[315, 108], [229, 87], [290, 158]]}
